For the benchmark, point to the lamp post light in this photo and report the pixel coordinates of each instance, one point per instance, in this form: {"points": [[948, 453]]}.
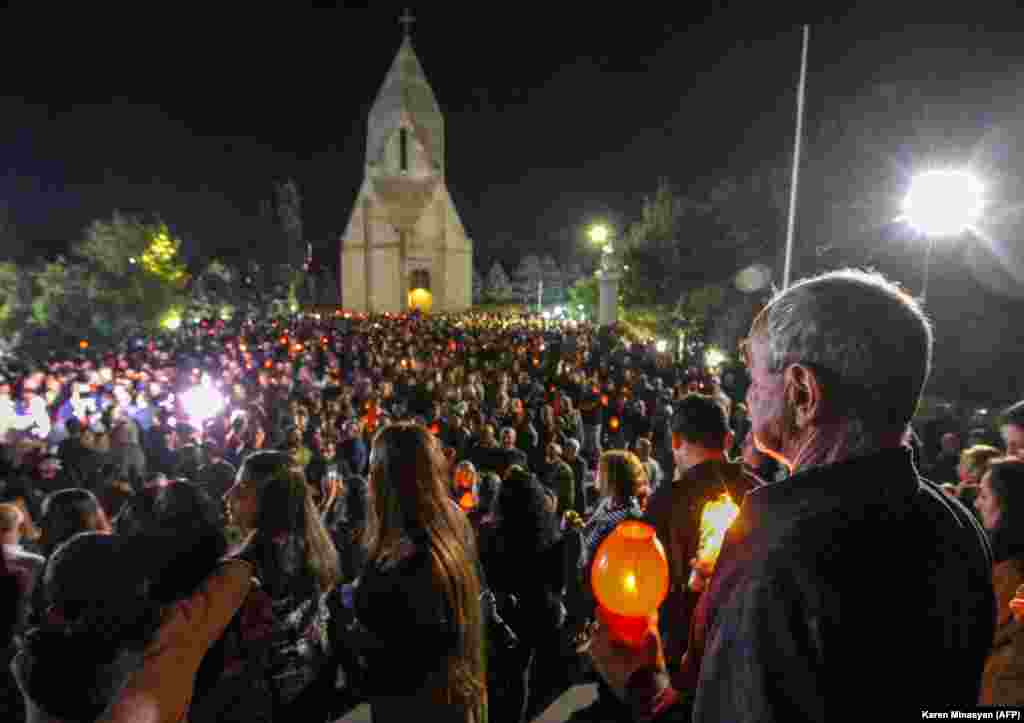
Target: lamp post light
{"points": [[942, 204]]}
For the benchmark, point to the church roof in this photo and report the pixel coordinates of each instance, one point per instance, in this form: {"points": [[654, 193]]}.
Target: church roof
{"points": [[406, 88]]}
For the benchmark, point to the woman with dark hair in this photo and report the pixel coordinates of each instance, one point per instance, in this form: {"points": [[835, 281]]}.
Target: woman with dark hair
{"points": [[1000, 504], [277, 650], [418, 599], [68, 512], [522, 560]]}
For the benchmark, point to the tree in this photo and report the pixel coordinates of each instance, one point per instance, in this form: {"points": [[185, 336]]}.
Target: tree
{"points": [[8, 294], [585, 293], [133, 269], [478, 286], [498, 288], [527, 279]]}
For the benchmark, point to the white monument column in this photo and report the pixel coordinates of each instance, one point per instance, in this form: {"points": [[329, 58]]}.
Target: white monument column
{"points": [[608, 307]]}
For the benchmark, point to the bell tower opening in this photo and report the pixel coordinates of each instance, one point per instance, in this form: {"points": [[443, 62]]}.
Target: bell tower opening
{"points": [[420, 297]]}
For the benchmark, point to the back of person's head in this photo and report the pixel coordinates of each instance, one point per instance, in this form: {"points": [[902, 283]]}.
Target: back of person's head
{"points": [[1006, 478], [408, 477], [867, 340], [291, 542], [183, 525], [66, 513], [490, 487], [622, 475], [975, 461], [98, 621], [701, 420], [526, 523]]}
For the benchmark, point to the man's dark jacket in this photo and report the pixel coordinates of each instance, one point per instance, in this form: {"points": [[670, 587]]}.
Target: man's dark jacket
{"points": [[845, 587], [675, 511]]}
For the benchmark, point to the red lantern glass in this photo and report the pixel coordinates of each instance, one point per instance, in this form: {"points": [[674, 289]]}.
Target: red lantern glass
{"points": [[629, 577]]}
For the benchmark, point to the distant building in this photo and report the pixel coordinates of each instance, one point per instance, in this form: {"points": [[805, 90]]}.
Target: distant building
{"points": [[405, 245]]}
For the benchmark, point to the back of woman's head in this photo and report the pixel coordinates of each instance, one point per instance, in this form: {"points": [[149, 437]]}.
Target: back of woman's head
{"points": [[621, 474], [525, 521], [1006, 478], [99, 610], [66, 513], [409, 494], [294, 548]]}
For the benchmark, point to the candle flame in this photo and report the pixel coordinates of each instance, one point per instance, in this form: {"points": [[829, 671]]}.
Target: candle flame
{"points": [[715, 519], [629, 583]]}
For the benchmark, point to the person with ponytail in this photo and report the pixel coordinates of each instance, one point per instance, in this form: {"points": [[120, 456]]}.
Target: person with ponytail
{"points": [[275, 653], [419, 622]]}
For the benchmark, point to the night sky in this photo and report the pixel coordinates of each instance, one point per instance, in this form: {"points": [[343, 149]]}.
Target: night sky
{"points": [[554, 119]]}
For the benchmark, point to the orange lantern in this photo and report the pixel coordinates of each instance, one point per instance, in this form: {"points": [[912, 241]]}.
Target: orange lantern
{"points": [[604, 400], [629, 577], [613, 423], [467, 502], [284, 341], [715, 520], [83, 344]]}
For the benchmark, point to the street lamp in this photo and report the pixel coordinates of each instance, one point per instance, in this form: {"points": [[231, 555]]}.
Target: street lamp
{"points": [[599, 234], [942, 204]]}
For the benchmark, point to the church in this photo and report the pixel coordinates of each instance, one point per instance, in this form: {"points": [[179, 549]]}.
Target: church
{"points": [[405, 247]]}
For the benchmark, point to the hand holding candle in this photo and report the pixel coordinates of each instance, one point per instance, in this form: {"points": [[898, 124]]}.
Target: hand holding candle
{"points": [[715, 520]]}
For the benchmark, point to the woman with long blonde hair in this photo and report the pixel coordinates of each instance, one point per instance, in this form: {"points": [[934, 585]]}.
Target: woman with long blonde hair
{"points": [[418, 599]]}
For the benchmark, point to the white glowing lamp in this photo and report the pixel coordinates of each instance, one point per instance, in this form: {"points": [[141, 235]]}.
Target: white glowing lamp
{"points": [[202, 402], [660, 346], [714, 358], [944, 202]]}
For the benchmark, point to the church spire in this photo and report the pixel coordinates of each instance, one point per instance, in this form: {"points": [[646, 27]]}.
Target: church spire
{"points": [[406, 93]]}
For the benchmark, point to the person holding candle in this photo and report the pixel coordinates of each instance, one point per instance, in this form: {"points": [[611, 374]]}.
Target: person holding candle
{"points": [[1000, 501], [700, 437], [831, 398]]}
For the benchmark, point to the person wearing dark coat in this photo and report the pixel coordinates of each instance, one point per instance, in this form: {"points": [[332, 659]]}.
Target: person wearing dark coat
{"points": [[853, 553]]}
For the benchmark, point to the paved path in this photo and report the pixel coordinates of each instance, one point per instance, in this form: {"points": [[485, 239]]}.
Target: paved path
{"points": [[576, 697]]}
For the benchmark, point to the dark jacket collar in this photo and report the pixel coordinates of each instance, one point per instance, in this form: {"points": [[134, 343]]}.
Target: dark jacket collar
{"points": [[886, 477]]}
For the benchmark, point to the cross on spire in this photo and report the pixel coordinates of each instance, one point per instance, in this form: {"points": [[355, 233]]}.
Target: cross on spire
{"points": [[407, 20]]}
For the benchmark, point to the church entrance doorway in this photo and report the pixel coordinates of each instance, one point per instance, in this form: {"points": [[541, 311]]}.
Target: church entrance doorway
{"points": [[420, 298]]}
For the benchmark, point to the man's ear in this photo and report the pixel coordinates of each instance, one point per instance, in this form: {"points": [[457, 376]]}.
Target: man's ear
{"points": [[805, 393]]}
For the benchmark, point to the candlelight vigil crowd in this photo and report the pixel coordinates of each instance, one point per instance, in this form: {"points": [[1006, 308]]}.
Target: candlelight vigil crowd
{"points": [[462, 517]]}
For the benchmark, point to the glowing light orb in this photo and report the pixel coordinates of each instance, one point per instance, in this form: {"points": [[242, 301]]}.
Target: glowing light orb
{"points": [[944, 202], [660, 346], [714, 358], [203, 402]]}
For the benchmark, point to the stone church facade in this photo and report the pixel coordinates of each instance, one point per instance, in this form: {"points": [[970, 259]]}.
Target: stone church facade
{"points": [[405, 246]]}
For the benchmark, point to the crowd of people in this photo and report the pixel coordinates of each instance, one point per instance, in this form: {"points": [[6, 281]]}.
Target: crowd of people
{"points": [[278, 521]]}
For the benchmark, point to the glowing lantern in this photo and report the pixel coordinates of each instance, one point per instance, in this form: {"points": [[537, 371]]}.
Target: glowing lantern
{"points": [[467, 502], [435, 429], [242, 347], [715, 519], [83, 344], [604, 400], [613, 423], [629, 577], [284, 341]]}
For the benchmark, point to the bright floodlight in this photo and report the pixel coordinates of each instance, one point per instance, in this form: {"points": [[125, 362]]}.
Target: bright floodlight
{"points": [[599, 233], [714, 358], [203, 402], [944, 203], [661, 345]]}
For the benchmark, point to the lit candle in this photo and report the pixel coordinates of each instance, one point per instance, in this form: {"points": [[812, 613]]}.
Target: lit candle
{"points": [[715, 520]]}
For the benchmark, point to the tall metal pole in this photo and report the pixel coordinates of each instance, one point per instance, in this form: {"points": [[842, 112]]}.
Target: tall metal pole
{"points": [[791, 226], [927, 268]]}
